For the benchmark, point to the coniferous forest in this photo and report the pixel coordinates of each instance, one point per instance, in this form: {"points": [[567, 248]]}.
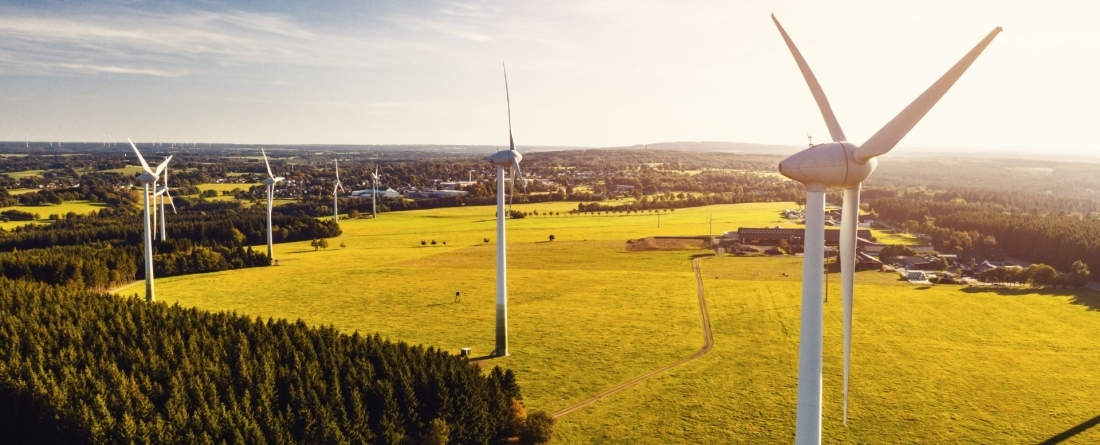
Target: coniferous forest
{"points": [[78, 366]]}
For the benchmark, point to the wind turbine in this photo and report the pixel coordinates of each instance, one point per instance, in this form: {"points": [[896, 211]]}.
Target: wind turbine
{"points": [[841, 164], [506, 159], [336, 185], [374, 195], [270, 184], [148, 180], [163, 192]]}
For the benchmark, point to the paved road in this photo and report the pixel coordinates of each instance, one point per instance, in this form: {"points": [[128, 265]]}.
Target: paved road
{"points": [[708, 343]]}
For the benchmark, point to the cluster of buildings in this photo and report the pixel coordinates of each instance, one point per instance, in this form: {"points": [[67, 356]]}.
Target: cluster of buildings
{"points": [[868, 252], [832, 217]]}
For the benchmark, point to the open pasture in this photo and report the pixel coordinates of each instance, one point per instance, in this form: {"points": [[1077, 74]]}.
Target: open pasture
{"points": [[25, 174], [943, 364], [44, 211]]}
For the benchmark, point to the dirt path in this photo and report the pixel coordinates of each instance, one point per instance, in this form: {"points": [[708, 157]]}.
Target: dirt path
{"points": [[708, 343]]}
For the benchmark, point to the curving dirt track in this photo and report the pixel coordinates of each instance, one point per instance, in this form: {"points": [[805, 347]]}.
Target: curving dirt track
{"points": [[708, 343]]}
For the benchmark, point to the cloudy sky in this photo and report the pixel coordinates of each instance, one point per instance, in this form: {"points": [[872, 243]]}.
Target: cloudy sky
{"points": [[582, 73]]}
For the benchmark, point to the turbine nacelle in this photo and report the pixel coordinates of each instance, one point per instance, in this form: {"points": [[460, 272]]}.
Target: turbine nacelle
{"points": [[505, 158], [147, 178], [270, 181], [829, 165]]}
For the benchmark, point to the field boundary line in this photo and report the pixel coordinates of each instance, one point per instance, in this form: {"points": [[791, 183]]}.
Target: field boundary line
{"points": [[708, 344]]}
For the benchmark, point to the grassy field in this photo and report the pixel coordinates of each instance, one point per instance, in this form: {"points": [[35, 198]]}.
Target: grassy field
{"points": [[44, 211], [934, 365], [25, 174], [15, 192], [128, 170]]}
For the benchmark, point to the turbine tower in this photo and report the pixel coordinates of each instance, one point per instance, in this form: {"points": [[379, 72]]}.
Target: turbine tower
{"points": [[374, 194], [841, 164], [270, 184], [336, 185], [507, 159], [148, 180]]}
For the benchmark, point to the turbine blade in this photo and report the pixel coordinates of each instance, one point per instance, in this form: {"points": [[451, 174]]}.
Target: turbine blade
{"points": [[512, 192], [144, 164], [815, 88], [508, 99], [523, 182], [889, 135], [337, 161], [161, 168], [266, 164], [849, 226], [170, 201]]}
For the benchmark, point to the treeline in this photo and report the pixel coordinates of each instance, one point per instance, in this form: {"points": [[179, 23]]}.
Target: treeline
{"points": [[786, 191], [1039, 274], [101, 266], [230, 228], [84, 367], [1054, 239]]}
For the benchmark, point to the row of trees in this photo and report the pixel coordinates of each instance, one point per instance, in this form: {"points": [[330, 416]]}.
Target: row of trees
{"points": [[101, 266], [227, 227], [84, 367], [1039, 274], [1053, 239]]}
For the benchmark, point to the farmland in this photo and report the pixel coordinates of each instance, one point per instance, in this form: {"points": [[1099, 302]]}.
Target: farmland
{"points": [[44, 211], [939, 364]]}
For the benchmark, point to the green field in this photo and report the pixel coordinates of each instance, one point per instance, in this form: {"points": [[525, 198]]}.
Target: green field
{"points": [[15, 192], [933, 365], [44, 211], [25, 174], [129, 170]]}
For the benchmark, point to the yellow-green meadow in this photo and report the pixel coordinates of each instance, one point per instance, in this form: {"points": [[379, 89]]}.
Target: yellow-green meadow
{"points": [[943, 364]]}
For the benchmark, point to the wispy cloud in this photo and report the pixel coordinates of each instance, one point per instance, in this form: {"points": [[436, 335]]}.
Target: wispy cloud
{"points": [[130, 41]]}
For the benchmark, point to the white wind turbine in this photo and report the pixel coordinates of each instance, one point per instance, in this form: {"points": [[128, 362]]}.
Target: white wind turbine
{"points": [[507, 159], [148, 181], [841, 164], [374, 194], [162, 192], [336, 185], [270, 184]]}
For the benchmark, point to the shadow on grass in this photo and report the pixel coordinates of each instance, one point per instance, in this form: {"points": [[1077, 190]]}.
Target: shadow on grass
{"points": [[1082, 296], [1067, 434], [702, 255]]}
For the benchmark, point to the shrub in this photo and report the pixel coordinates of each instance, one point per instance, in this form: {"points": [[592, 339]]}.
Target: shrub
{"points": [[539, 428]]}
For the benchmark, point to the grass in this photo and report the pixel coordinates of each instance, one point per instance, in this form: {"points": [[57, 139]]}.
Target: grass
{"points": [[25, 174], [224, 187], [16, 192], [129, 170], [935, 365], [44, 211]]}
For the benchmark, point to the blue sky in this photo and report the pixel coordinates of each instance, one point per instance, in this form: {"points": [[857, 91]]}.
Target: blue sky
{"points": [[583, 73]]}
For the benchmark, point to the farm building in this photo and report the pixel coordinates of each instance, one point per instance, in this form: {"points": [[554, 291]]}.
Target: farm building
{"points": [[793, 236]]}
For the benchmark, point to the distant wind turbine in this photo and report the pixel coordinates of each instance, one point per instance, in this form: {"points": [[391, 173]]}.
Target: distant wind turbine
{"points": [[270, 183], [374, 195], [507, 159], [148, 180], [845, 165], [335, 198], [162, 193]]}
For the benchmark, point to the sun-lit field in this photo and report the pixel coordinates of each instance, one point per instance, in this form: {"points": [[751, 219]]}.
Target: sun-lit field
{"points": [[25, 174], [16, 192], [943, 364], [128, 170], [44, 211]]}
